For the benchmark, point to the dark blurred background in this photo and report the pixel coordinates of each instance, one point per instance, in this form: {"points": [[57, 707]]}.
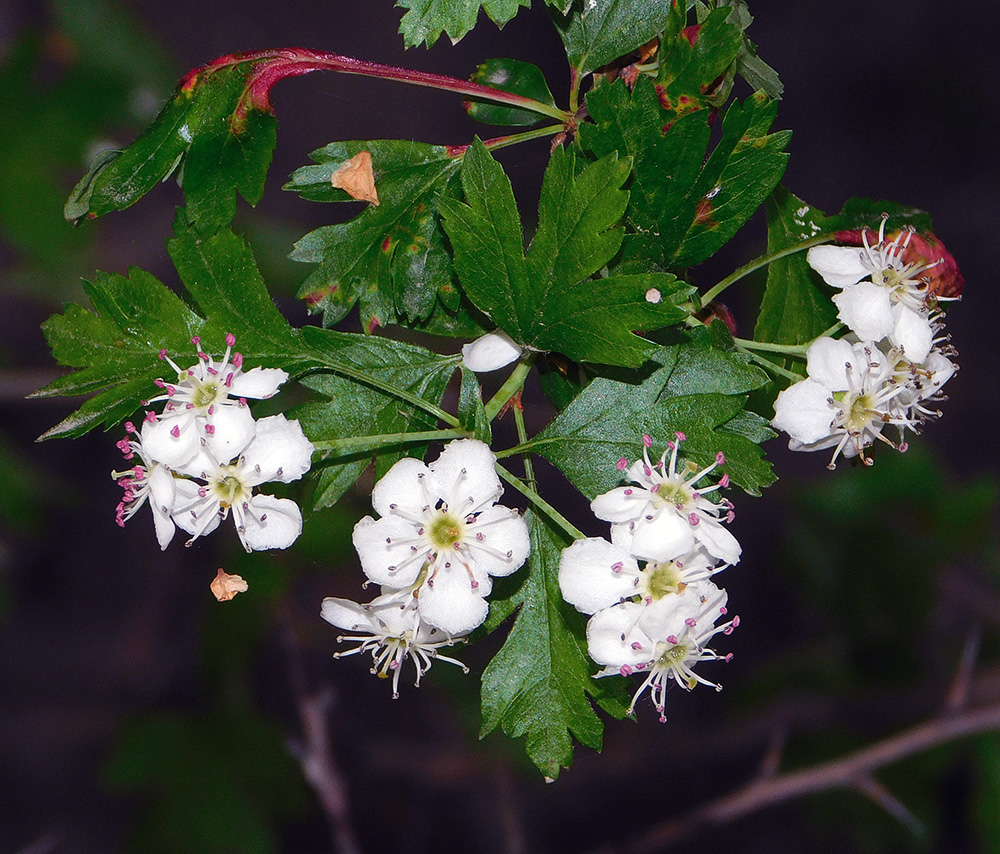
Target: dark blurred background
{"points": [[138, 714]]}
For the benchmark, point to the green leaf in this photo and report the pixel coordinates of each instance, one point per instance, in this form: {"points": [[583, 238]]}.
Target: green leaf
{"points": [[391, 257], [683, 207], [210, 127], [594, 34], [354, 408], [427, 19], [471, 411], [116, 349], [537, 684], [699, 390], [545, 300], [794, 308], [517, 77]]}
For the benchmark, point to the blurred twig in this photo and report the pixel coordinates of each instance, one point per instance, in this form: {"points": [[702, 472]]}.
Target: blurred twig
{"points": [[850, 772], [315, 755]]}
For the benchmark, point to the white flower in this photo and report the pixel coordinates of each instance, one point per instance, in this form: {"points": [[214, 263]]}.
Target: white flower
{"points": [[390, 627], [150, 480], [490, 352], [883, 297], [846, 401], [207, 405], [595, 574], [920, 386], [664, 642], [278, 451], [665, 515], [442, 535]]}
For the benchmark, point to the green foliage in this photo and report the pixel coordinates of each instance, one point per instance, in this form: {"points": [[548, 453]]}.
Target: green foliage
{"points": [[698, 390], [426, 20], [509, 75], [210, 133], [391, 257], [682, 207], [794, 308], [537, 686], [594, 34], [545, 300]]}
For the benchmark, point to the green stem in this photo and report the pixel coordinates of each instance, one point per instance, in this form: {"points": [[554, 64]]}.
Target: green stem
{"points": [[522, 435], [516, 138], [541, 504], [768, 365], [767, 347], [524, 447], [514, 383], [762, 261], [364, 443]]}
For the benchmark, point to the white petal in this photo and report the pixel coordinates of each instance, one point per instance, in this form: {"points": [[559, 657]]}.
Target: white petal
{"points": [[913, 332], [162, 494], [465, 476], [666, 536], [404, 485], [259, 383], [587, 577], [866, 309], [271, 523], [192, 513], [451, 603], [718, 540], [383, 546], [620, 505], [505, 543], [490, 352], [279, 451], [605, 641], [839, 266], [160, 445], [233, 429], [803, 411], [345, 614], [826, 362]]}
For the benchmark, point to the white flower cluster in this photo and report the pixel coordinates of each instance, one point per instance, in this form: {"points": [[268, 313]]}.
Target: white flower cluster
{"points": [[203, 454], [654, 619], [889, 370], [440, 539]]}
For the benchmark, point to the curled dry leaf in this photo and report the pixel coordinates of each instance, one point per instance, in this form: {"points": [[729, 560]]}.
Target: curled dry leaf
{"points": [[356, 178], [226, 586]]}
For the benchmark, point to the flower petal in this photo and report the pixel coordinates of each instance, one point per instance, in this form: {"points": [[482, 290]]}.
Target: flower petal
{"points": [[912, 332], [259, 383], [490, 352], [159, 444], [233, 429], [279, 451], [451, 603], [505, 543], [383, 546], [588, 577], [465, 476], [827, 362], [664, 537], [803, 411], [611, 634], [718, 540], [867, 309], [405, 486], [345, 614], [271, 523], [839, 266], [162, 494], [620, 505]]}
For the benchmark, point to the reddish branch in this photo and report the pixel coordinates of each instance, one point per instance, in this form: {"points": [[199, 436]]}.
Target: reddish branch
{"points": [[850, 772]]}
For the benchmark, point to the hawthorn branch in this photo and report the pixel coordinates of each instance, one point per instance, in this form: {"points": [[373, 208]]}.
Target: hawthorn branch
{"points": [[853, 771]]}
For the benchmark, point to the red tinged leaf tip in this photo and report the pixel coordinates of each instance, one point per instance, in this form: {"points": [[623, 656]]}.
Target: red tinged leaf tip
{"points": [[691, 33], [717, 311]]}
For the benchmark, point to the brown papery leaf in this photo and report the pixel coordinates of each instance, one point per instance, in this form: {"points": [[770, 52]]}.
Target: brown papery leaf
{"points": [[226, 586], [356, 178]]}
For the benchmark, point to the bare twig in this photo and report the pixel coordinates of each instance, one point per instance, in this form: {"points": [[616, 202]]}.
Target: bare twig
{"points": [[891, 804], [775, 750], [316, 757], [843, 773], [958, 693]]}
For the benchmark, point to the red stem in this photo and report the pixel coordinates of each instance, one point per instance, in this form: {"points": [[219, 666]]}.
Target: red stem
{"points": [[275, 65]]}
